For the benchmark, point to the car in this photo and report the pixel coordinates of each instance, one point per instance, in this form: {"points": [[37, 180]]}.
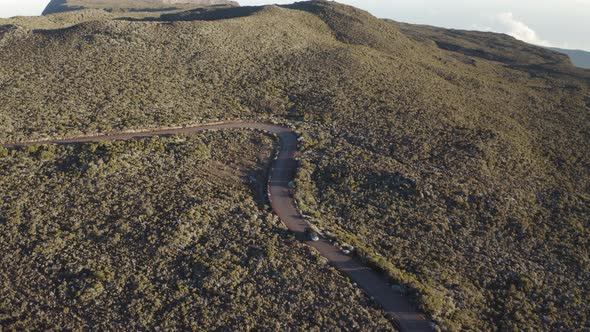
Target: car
{"points": [[312, 235]]}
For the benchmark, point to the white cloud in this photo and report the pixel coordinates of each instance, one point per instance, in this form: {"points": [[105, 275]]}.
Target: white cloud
{"points": [[519, 29]]}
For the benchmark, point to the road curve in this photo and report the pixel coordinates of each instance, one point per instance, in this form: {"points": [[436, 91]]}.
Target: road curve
{"points": [[397, 307]]}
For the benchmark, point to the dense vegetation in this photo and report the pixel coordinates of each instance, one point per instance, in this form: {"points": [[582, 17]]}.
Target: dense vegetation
{"points": [[457, 161], [159, 234]]}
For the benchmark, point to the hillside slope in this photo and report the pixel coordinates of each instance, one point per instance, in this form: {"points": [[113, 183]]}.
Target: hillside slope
{"points": [[159, 234], [56, 6], [455, 161]]}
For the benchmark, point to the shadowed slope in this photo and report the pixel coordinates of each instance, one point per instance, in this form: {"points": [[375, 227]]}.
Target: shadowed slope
{"points": [[496, 47], [211, 14]]}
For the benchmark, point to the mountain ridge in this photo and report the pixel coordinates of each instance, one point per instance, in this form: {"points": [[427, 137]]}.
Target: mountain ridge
{"points": [[579, 58], [57, 6]]}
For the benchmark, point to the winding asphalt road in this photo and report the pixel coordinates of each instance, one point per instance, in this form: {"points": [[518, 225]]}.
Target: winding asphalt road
{"points": [[397, 307]]}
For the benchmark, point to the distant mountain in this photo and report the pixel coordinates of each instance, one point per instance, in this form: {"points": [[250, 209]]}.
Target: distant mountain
{"points": [[579, 58], [56, 6]]}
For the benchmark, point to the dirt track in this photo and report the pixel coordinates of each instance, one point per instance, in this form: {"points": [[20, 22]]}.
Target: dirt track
{"points": [[405, 316]]}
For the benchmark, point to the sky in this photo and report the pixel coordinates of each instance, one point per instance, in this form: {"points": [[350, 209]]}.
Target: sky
{"points": [[556, 23]]}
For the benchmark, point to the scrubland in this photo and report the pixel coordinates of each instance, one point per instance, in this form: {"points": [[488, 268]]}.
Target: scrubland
{"points": [[457, 162]]}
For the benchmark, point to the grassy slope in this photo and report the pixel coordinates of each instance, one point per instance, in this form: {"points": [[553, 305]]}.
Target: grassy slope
{"points": [[458, 158], [159, 234]]}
